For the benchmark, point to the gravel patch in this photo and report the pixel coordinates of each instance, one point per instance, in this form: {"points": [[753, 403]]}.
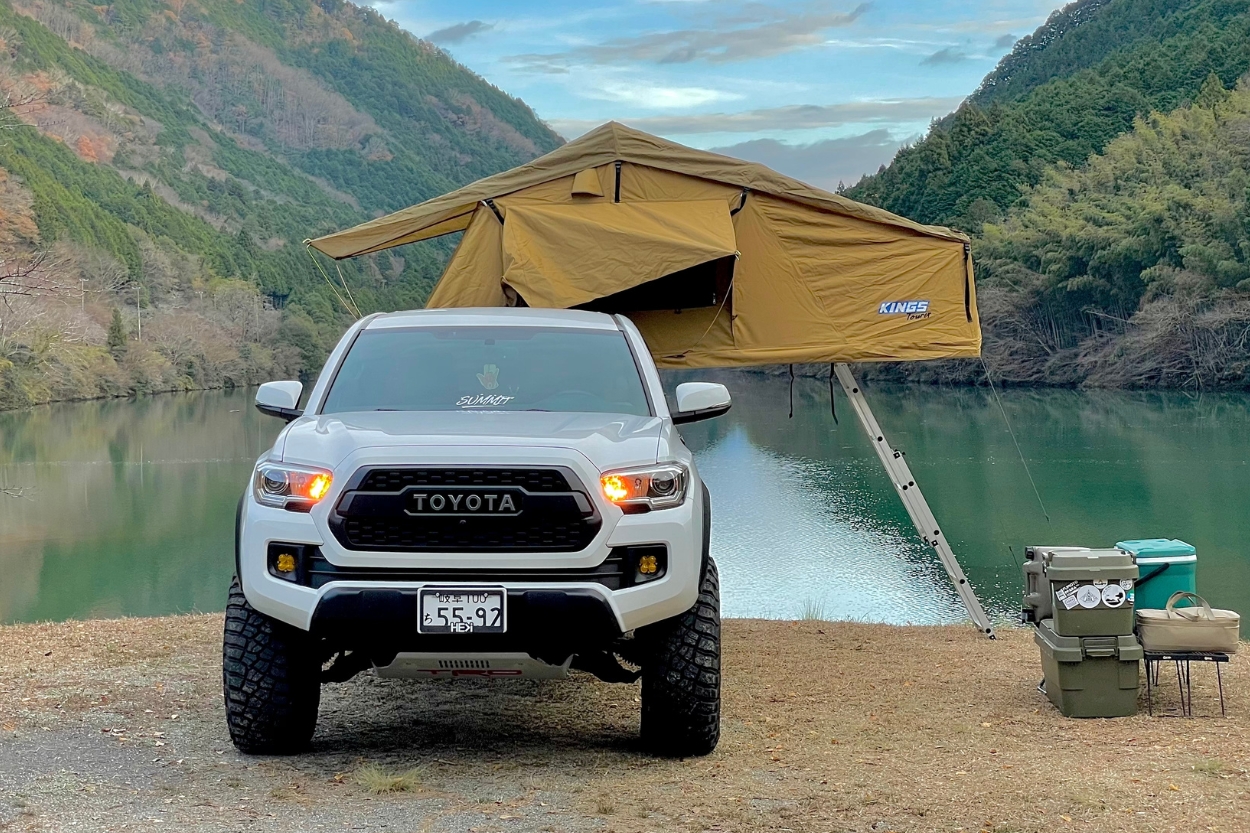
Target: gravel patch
{"points": [[118, 725]]}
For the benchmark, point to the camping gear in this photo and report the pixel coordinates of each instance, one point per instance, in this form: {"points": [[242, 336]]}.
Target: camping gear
{"points": [[1084, 592], [1196, 628], [1167, 566], [719, 262], [1183, 660], [1039, 599], [1089, 676]]}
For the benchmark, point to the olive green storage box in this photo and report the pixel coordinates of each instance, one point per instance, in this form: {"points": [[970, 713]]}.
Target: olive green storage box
{"points": [[1090, 676], [1090, 591]]}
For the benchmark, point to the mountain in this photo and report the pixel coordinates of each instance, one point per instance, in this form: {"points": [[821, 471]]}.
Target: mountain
{"points": [[166, 159], [1061, 95], [1103, 169]]}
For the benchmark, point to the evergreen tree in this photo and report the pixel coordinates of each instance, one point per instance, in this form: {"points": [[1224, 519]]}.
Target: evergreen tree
{"points": [[117, 333]]}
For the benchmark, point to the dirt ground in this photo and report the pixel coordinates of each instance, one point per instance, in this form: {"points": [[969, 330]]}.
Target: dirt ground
{"points": [[117, 725]]}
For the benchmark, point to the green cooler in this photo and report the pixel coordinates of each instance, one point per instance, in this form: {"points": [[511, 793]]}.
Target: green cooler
{"points": [[1083, 592], [1166, 566], [1089, 676]]}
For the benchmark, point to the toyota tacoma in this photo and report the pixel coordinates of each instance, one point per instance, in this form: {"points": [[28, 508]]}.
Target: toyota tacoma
{"points": [[469, 494]]}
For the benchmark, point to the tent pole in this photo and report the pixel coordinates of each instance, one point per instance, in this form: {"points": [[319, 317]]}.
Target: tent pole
{"points": [[905, 484]]}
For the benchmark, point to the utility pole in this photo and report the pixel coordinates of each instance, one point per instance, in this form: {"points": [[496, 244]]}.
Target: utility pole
{"points": [[138, 312], [82, 294]]}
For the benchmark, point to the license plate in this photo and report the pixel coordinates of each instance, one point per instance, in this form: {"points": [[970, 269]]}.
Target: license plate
{"points": [[463, 610]]}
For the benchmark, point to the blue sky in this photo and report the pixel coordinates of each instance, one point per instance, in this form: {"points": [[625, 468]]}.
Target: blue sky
{"points": [[825, 91]]}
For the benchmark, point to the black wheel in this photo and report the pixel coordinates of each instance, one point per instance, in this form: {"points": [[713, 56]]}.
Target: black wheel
{"points": [[681, 677], [271, 677]]}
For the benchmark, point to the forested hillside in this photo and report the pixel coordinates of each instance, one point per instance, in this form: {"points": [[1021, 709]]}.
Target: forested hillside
{"points": [[1102, 169], [161, 162]]}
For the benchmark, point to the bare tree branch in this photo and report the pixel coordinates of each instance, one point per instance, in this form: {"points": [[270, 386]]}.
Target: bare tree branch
{"points": [[27, 274], [14, 103]]}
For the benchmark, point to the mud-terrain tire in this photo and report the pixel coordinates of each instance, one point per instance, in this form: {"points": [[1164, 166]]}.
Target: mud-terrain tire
{"points": [[271, 678], [681, 678]]}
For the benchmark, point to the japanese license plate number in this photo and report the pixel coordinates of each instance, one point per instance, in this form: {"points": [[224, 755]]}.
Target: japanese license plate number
{"points": [[457, 610]]}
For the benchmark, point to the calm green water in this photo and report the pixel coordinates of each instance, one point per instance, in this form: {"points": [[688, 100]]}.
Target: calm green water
{"points": [[128, 506]]}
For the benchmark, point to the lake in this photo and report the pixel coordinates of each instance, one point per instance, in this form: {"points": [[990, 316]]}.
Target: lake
{"points": [[126, 507]]}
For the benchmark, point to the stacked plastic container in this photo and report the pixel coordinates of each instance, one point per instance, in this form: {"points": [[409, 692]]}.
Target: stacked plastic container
{"points": [[1081, 602]]}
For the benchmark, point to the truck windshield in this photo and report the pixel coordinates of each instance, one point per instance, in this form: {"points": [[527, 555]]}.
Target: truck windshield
{"points": [[488, 369]]}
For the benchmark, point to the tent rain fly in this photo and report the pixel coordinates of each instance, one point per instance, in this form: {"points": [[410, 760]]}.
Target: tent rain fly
{"points": [[817, 277]]}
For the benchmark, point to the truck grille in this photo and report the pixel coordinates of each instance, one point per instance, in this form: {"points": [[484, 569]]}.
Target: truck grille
{"points": [[465, 510], [533, 480]]}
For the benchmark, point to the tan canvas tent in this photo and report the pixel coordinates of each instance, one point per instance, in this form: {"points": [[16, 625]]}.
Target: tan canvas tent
{"points": [[719, 262]]}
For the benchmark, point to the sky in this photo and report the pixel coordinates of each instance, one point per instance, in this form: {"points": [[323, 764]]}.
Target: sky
{"points": [[825, 91]]}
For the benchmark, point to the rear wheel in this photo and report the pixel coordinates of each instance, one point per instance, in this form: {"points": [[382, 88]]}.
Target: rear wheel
{"points": [[681, 677], [272, 680]]}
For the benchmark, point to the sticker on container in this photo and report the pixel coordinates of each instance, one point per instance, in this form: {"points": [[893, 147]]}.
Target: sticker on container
{"points": [[1113, 595], [1089, 596], [1067, 594], [1100, 583], [1127, 584]]}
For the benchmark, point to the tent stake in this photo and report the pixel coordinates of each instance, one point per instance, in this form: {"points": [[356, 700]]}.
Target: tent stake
{"points": [[905, 484]]}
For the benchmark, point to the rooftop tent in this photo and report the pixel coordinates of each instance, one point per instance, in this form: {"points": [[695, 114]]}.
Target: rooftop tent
{"points": [[719, 262]]}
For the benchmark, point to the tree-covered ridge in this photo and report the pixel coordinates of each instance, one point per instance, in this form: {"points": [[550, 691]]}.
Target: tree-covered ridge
{"points": [[1163, 211], [1132, 270], [977, 162], [175, 154]]}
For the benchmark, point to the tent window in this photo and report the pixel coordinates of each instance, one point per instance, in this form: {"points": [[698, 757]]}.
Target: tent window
{"points": [[706, 285], [586, 184]]}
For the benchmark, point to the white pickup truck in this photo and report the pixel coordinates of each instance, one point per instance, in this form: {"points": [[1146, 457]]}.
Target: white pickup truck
{"points": [[495, 493]]}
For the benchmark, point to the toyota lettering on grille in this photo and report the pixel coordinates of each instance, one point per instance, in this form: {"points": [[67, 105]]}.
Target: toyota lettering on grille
{"points": [[501, 503]]}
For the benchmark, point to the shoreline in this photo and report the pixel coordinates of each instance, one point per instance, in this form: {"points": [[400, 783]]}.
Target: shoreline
{"points": [[870, 375], [117, 724]]}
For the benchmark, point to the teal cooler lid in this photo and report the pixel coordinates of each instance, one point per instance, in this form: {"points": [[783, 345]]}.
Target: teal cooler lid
{"points": [[1157, 548]]}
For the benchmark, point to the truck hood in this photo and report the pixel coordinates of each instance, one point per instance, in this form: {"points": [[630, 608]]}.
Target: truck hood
{"points": [[607, 440]]}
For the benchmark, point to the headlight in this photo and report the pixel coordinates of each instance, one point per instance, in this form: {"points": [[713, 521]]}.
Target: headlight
{"points": [[653, 487], [290, 487]]}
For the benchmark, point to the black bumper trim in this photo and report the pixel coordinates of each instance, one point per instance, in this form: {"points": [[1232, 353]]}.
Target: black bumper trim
{"points": [[548, 624]]}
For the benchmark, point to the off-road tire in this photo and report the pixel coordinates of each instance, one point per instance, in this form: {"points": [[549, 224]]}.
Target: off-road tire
{"points": [[681, 677], [271, 678]]}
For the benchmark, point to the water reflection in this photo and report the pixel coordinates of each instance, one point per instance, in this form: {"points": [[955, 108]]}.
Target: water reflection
{"points": [[129, 505], [1109, 466]]}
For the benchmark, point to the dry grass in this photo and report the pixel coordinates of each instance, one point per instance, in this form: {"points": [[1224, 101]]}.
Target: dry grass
{"points": [[827, 726], [376, 780]]}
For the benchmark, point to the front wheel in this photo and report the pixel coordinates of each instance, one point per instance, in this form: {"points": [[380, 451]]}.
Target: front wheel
{"points": [[681, 677], [271, 678]]}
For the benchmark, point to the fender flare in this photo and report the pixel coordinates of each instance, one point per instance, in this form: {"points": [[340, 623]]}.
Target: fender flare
{"points": [[238, 540], [707, 529]]}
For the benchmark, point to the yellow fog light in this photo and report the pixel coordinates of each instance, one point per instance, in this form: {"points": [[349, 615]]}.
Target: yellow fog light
{"points": [[285, 563], [648, 565]]}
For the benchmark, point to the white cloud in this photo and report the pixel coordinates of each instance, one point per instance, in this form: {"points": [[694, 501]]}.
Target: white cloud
{"points": [[793, 117], [659, 97], [741, 32]]}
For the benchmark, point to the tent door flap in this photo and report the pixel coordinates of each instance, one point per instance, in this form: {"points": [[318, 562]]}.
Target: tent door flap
{"points": [[705, 285]]}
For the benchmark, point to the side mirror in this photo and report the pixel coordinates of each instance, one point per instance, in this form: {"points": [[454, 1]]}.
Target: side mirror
{"points": [[280, 399], [700, 400]]}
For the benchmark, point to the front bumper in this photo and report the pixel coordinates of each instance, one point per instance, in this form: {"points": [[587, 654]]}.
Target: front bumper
{"points": [[374, 610], [386, 620]]}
